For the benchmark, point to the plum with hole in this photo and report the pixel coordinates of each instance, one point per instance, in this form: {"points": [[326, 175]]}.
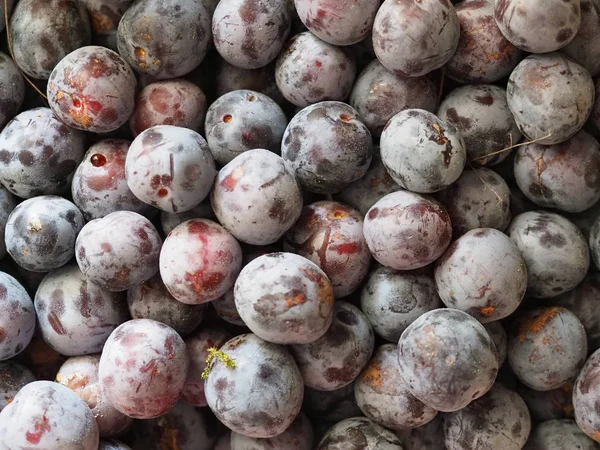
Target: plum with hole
{"points": [[12, 88], [17, 318], [558, 435], [299, 436], [8, 202], [330, 406], [500, 338], [548, 405], [168, 221], [585, 46], [357, 433], [13, 377]]}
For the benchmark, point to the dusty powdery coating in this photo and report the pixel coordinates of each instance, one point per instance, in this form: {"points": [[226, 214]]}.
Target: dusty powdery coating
{"points": [[170, 168], [13, 377], [414, 38], [75, 315], [168, 221], [250, 34], [262, 395], [199, 261], [12, 88], [143, 368], [8, 202], [331, 406], [80, 374], [172, 44], [559, 434], [92, 89], [550, 96], [585, 46], [422, 152], [548, 405], [99, 186], [17, 317], [38, 154], [426, 437], [309, 70], [447, 359], [41, 231], [586, 395], [119, 251], [328, 147], [359, 433], [299, 436], [379, 94], [498, 335], [48, 415], [542, 238], [481, 114], [243, 120], [498, 420], [256, 197], [406, 231]]}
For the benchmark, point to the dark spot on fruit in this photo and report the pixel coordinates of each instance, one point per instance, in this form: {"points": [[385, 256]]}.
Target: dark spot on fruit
{"points": [[26, 158], [485, 100], [564, 34]]}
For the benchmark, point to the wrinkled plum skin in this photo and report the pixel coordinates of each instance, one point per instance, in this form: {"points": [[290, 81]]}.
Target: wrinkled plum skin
{"points": [[17, 318], [585, 46], [45, 31], [546, 347], [538, 26], [41, 232], [548, 405], [48, 415], [540, 236], [170, 168], [168, 221], [481, 114], [585, 397], [440, 148], [80, 374], [92, 89], [393, 299], [284, 298], [99, 185], [550, 97], [249, 34], [38, 154], [252, 184], [118, 251], [13, 377], [75, 315], [483, 55], [383, 396], [441, 373], [328, 146], [331, 406], [407, 231], [378, 95], [492, 284], [143, 368], [358, 433], [299, 436], [152, 300], [243, 120], [171, 102], [498, 335], [199, 261], [330, 234], [309, 71], [8, 202], [426, 437], [558, 434], [498, 420], [170, 46], [563, 176], [414, 38], [12, 89], [264, 398]]}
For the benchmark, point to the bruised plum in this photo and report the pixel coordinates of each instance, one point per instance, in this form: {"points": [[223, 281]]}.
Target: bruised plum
{"points": [[17, 317], [585, 46], [548, 405], [559, 435], [12, 89], [13, 377], [299, 436], [358, 433]]}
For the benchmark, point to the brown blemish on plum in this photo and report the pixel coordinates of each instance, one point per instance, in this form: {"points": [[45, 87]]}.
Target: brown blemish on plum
{"points": [[537, 323], [373, 375], [485, 100], [295, 297], [487, 311]]}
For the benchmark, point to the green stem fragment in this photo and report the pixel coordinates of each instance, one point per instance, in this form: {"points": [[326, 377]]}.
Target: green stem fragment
{"points": [[213, 354]]}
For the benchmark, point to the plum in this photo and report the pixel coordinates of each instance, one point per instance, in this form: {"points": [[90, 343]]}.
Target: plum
{"points": [[584, 47], [359, 433], [299, 436], [548, 405], [558, 435], [12, 88], [13, 377], [17, 318]]}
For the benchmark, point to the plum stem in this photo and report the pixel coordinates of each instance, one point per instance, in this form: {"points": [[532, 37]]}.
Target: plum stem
{"points": [[213, 354]]}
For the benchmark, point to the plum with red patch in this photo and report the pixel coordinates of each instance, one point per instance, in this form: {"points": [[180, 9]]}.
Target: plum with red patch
{"points": [[17, 317], [13, 377], [585, 46], [12, 89], [357, 433], [298, 436], [8, 202]]}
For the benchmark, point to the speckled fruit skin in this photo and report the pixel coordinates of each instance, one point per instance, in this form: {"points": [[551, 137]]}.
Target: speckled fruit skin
{"points": [[299, 436], [13, 377], [358, 433], [41, 232], [252, 184], [309, 70], [540, 236], [143, 368], [284, 298], [441, 373], [119, 251], [330, 406], [549, 405], [563, 176], [12, 89], [584, 47], [172, 102], [170, 46], [414, 38], [406, 231], [559, 434], [92, 89], [43, 32], [249, 34], [8, 202], [330, 234], [499, 419], [262, 396], [48, 415], [483, 274], [550, 97], [546, 347], [38, 154], [585, 396], [17, 317], [80, 374], [328, 146], [75, 315], [200, 261], [482, 116], [483, 55], [170, 168]]}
